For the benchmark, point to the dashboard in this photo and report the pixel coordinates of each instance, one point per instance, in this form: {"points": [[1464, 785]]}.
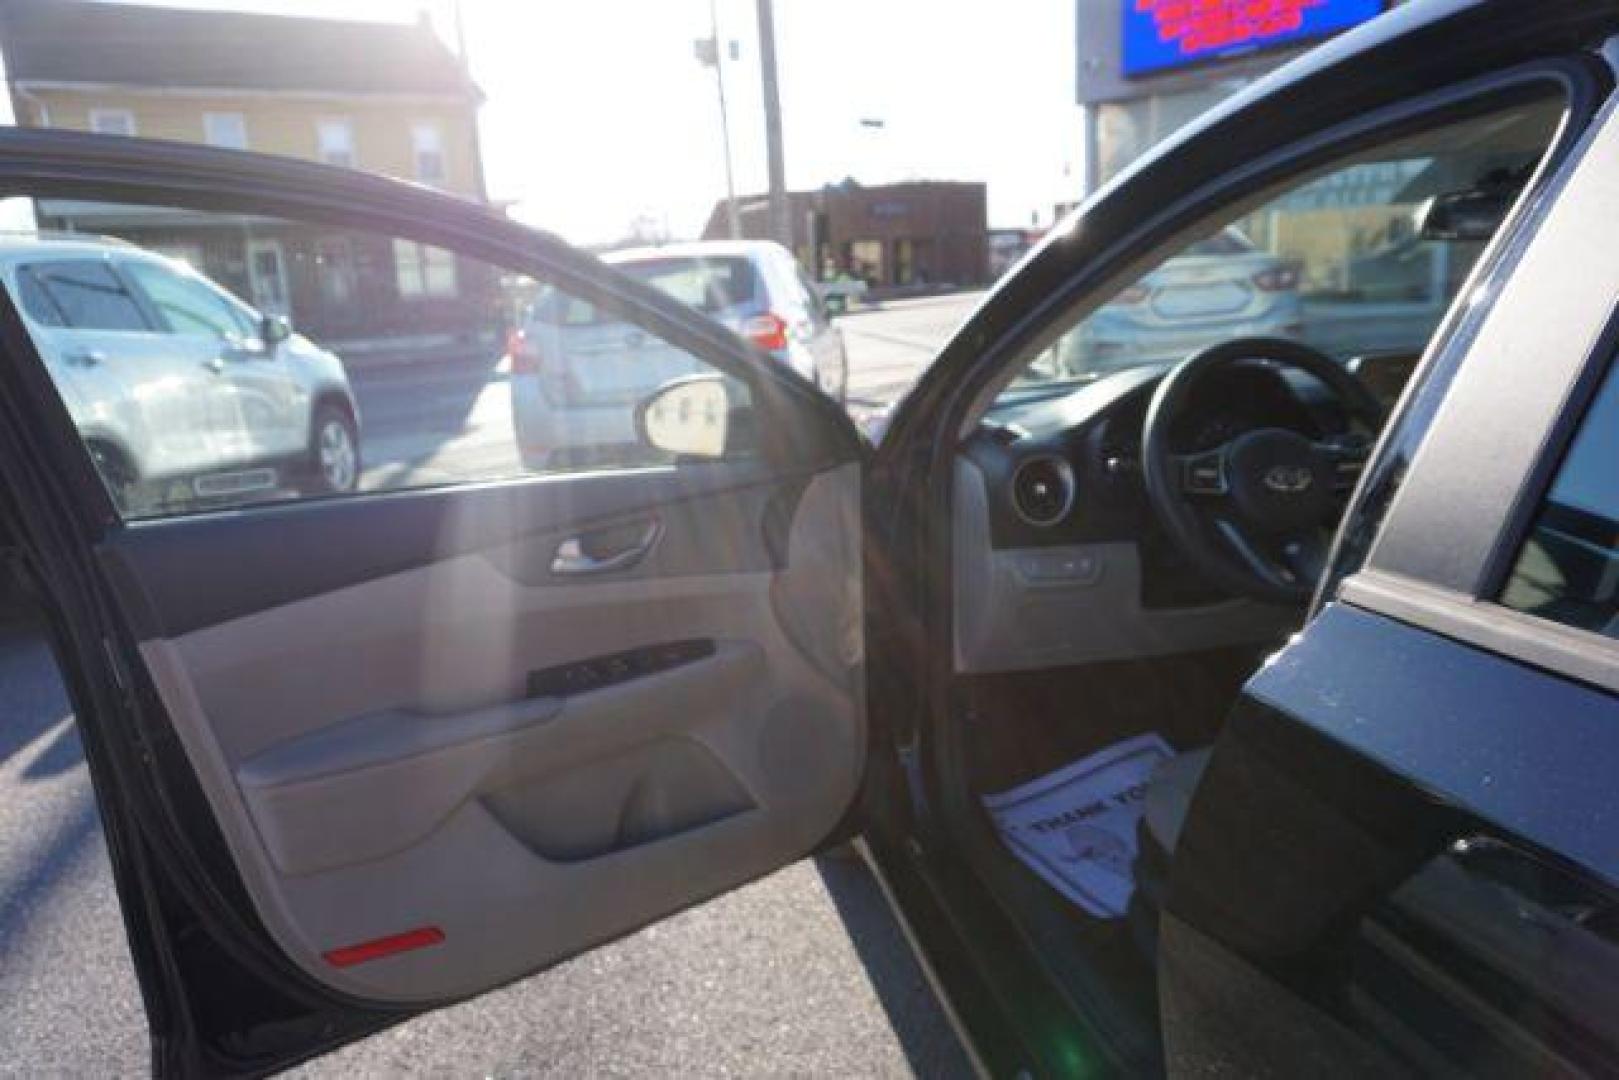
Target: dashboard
{"points": [[1059, 556]]}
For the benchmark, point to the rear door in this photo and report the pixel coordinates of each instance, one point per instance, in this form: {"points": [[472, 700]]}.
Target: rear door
{"points": [[261, 405], [1404, 856], [146, 403], [363, 755]]}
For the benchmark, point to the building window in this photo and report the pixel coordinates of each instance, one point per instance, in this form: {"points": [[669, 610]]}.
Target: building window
{"points": [[228, 129], [864, 259], [336, 138], [334, 255], [423, 270], [428, 145], [112, 121]]}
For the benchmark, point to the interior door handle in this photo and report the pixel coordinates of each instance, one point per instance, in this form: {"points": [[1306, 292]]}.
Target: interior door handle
{"points": [[617, 547]]}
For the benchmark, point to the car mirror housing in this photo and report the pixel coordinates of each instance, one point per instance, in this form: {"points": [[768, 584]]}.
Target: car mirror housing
{"points": [[273, 330], [689, 417]]}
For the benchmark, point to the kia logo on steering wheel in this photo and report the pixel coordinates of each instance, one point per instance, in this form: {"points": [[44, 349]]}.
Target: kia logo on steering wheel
{"points": [[1289, 479]]}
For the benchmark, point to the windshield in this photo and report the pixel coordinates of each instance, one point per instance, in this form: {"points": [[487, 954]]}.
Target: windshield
{"points": [[712, 285], [1339, 262]]}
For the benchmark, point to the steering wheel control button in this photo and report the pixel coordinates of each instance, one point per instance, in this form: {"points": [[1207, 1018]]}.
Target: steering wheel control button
{"points": [[1043, 490], [1204, 475], [1067, 566]]}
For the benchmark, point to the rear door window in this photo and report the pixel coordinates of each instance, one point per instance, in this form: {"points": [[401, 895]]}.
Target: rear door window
{"points": [[1568, 569], [36, 301], [89, 296]]}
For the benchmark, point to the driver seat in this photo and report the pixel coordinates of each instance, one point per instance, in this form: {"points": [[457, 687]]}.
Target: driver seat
{"points": [[1168, 800]]}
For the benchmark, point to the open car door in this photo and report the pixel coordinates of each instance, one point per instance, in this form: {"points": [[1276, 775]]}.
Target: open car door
{"points": [[537, 674], [1401, 857]]}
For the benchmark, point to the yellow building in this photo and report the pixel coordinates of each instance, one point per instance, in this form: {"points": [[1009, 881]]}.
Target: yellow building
{"points": [[383, 97]]}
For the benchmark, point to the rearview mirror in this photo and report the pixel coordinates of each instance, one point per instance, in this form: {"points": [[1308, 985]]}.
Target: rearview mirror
{"points": [[1464, 215], [273, 330], [1385, 373], [688, 417]]}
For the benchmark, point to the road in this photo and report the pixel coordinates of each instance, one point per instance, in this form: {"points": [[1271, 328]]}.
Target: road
{"points": [[890, 345], [805, 972]]}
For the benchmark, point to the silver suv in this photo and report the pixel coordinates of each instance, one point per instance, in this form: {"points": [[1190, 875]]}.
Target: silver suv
{"points": [[578, 374], [183, 393]]}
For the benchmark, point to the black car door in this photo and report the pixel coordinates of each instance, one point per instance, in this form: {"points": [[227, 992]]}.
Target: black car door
{"points": [[1404, 854], [363, 752]]}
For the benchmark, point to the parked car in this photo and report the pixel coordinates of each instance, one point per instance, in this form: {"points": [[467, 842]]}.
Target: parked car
{"points": [[1198, 717], [578, 372], [1219, 285], [179, 389], [842, 292]]}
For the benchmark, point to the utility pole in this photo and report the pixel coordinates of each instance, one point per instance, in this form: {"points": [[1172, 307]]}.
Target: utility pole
{"points": [[709, 54], [465, 60], [781, 225]]}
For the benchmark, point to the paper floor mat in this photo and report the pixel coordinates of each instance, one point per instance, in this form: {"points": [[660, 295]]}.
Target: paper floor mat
{"points": [[1076, 827]]}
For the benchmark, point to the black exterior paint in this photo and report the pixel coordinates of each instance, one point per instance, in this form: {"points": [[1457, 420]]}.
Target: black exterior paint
{"points": [[1391, 816]]}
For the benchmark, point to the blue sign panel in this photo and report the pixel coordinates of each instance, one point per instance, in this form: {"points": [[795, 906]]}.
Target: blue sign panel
{"points": [[1163, 34]]}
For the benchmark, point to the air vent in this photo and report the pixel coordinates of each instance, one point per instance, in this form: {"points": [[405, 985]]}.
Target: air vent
{"points": [[1043, 490]]}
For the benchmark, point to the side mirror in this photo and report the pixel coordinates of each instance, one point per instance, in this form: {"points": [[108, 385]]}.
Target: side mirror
{"points": [[273, 330], [689, 417]]}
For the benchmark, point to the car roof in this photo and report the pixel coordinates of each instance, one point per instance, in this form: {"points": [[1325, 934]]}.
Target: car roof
{"points": [[16, 245], [697, 249]]}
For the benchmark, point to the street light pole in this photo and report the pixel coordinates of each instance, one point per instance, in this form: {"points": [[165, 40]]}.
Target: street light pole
{"points": [[709, 53], [781, 226]]}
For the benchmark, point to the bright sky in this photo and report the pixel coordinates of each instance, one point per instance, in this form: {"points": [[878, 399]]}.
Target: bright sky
{"points": [[598, 113]]}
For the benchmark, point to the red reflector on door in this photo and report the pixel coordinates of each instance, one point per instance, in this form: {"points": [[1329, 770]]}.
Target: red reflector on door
{"points": [[419, 938]]}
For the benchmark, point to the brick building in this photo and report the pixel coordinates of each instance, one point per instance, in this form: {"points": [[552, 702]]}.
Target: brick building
{"points": [[895, 236]]}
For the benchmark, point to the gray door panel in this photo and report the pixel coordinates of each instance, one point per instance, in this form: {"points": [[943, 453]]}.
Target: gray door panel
{"points": [[408, 751]]}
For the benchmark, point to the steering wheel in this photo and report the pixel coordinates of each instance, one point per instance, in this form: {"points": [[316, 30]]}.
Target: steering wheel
{"points": [[1256, 513]]}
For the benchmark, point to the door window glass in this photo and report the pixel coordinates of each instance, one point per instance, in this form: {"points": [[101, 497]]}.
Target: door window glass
{"points": [[186, 306], [36, 301], [1361, 259], [412, 366], [1568, 569], [89, 295]]}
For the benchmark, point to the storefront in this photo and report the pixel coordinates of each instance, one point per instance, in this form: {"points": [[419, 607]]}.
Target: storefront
{"points": [[895, 237]]}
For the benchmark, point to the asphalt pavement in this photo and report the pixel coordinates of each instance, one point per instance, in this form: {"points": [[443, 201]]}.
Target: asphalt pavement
{"points": [[891, 344], [805, 972]]}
